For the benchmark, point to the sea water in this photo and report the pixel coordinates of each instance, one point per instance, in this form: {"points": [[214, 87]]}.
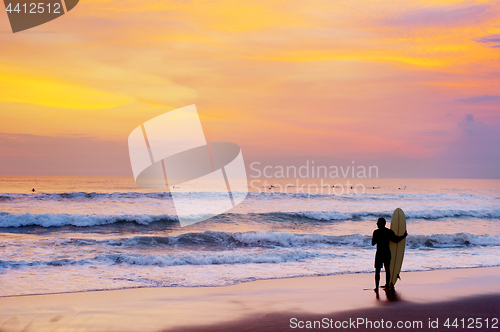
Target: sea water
{"points": [[97, 233]]}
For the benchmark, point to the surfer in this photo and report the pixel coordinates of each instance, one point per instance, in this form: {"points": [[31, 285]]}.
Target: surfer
{"points": [[381, 237], [33, 190]]}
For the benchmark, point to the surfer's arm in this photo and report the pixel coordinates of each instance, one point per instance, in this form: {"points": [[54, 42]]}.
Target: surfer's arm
{"points": [[398, 238], [374, 241]]}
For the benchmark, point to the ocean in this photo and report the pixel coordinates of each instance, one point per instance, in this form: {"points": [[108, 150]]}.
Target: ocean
{"points": [[98, 233]]}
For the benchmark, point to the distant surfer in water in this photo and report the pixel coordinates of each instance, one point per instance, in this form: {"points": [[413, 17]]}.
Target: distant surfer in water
{"points": [[381, 237], [33, 190]]}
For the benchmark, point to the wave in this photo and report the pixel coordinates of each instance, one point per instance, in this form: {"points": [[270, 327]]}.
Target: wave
{"points": [[93, 196], [87, 220], [215, 258], [287, 240], [228, 240], [209, 240], [426, 214], [201, 258], [245, 248], [458, 240], [80, 220], [4, 198]]}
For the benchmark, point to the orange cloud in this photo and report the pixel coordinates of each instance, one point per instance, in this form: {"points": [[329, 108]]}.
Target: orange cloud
{"points": [[277, 77]]}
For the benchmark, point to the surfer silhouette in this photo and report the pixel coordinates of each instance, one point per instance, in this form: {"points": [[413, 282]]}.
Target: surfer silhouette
{"points": [[381, 237], [33, 190]]}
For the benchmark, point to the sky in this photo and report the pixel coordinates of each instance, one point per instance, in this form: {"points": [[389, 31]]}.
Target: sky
{"points": [[412, 87]]}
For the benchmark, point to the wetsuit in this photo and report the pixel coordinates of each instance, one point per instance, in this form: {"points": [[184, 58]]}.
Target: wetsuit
{"points": [[382, 237]]}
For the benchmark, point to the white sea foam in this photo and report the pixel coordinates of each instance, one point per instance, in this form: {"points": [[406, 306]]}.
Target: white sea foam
{"points": [[87, 220], [214, 258], [81, 220], [410, 214]]}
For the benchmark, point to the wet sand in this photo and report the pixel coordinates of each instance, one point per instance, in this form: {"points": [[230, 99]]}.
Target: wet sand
{"points": [[268, 305]]}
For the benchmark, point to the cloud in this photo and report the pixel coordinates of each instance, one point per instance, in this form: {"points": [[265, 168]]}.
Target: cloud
{"points": [[442, 16], [476, 152], [470, 126], [480, 99], [492, 40]]}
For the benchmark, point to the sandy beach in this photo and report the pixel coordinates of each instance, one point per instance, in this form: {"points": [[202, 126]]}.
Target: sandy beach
{"points": [[266, 305]]}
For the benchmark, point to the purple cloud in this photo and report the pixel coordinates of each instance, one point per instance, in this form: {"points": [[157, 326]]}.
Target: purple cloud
{"points": [[493, 40], [442, 16], [480, 99]]}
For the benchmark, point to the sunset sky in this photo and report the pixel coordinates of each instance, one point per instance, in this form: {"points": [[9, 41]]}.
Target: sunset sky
{"points": [[410, 86]]}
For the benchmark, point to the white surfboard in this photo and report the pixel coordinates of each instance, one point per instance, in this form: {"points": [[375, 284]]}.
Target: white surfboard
{"points": [[398, 225]]}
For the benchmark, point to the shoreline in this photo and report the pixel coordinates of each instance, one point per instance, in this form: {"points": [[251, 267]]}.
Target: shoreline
{"points": [[261, 301], [239, 283]]}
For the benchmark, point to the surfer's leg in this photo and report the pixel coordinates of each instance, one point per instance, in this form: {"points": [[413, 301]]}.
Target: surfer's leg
{"points": [[387, 267], [377, 278]]}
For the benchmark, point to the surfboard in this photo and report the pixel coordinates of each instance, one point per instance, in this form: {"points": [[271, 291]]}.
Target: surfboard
{"points": [[398, 225]]}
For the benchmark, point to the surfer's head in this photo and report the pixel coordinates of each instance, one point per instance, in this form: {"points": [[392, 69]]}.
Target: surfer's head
{"points": [[381, 222]]}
